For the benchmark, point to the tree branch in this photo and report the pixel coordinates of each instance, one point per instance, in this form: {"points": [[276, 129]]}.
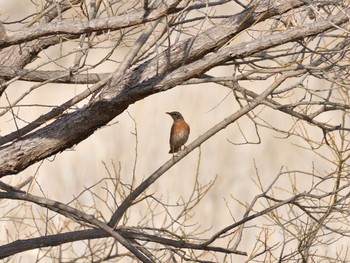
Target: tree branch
{"points": [[55, 76], [137, 17], [75, 214], [135, 85]]}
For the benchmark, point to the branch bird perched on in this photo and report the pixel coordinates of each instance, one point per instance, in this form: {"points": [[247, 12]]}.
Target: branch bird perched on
{"points": [[179, 132]]}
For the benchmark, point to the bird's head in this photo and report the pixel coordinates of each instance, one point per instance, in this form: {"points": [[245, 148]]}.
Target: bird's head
{"points": [[175, 115]]}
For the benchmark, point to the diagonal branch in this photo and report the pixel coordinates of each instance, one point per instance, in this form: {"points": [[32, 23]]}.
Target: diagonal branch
{"points": [[128, 201], [159, 74]]}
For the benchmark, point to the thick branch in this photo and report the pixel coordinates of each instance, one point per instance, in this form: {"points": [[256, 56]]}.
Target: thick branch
{"points": [[137, 17], [59, 239], [137, 84], [56, 76]]}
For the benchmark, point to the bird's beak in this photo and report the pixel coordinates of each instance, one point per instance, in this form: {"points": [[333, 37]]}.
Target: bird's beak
{"points": [[168, 113]]}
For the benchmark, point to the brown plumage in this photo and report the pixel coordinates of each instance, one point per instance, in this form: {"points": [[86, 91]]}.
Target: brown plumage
{"points": [[179, 132]]}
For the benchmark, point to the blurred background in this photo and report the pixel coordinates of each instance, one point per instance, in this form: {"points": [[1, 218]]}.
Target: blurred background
{"points": [[225, 158]]}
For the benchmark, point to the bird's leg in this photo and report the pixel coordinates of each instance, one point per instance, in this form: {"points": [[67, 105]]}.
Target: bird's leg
{"points": [[173, 152]]}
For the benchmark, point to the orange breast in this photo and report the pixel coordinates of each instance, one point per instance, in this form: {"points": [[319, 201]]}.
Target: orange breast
{"points": [[178, 135]]}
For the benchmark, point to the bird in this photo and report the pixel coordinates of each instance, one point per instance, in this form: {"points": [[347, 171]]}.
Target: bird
{"points": [[179, 132]]}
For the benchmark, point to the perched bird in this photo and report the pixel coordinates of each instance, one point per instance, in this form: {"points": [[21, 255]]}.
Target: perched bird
{"points": [[179, 132]]}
